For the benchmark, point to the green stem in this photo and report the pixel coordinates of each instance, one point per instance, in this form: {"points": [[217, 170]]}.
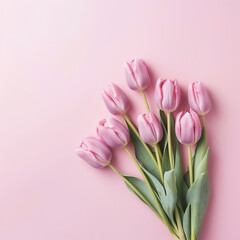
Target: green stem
{"points": [[137, 134], [179, 223], [165, 220], [190, 167], [170, 140], [135, 190], [145, 100], [159, 155], [203, 121], [193, 235]]}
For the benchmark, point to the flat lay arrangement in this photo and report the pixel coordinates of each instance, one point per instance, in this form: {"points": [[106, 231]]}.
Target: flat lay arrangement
{"points": [[178, 198]]}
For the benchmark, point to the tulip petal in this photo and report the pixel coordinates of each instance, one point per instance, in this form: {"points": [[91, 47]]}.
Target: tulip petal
{"points": [[145, 130], [197, 126], [203, 99], [130, 78], [115, 99], [100, 150], [89, 157], [178, 126], [141, 74], [169, 97], [187, 129], [158, 93]]}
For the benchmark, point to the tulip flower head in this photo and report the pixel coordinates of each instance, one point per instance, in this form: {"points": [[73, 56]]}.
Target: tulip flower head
{"points": [[115, 99], [136, 74], [113, 133], [188, 127], [150, 128], [167, 95], [198, 98], [94, 152]]}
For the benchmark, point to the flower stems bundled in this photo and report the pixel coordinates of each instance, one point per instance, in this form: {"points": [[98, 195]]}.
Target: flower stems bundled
{"points": [[179, 200]]}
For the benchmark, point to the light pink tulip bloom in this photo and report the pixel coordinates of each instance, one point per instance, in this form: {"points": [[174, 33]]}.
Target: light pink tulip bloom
{"points": [[94, 152], [167, 95], [136, 74], [149, 128], [113, 133], [115, 99], [198, 98], [188, 127]]}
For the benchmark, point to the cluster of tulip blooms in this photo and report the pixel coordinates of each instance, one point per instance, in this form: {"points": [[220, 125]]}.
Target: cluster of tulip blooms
{"points": [[178, 199]]}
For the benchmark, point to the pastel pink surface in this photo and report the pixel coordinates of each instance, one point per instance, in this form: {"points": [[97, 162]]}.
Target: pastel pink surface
{"points": [[56, 56]]}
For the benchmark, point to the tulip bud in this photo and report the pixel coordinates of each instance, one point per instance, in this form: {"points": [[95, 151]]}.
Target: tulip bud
{"points": [[115, 99], [198, 98], [150, 128], [167, 95], [113, 133], [94, 152], [188, 127], [136, 74]]}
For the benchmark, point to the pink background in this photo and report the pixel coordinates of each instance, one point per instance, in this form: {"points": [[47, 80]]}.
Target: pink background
{"points": [[56, 56]]}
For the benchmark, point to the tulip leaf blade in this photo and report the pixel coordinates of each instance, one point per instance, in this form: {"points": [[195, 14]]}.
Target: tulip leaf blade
{"points": [[200, 150], [181, 186], [142, 187], [165, 161], [141, 153], [202, 166], [164, 141], [171, 192], [167, 194], [197, 196], [187, 222]]}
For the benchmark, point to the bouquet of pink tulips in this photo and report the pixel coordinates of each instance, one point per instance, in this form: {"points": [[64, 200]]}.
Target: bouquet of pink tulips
{"points": [[178, 199]]}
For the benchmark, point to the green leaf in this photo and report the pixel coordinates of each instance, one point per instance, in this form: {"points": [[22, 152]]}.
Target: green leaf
{"points": [[163, 142], [187, 222], [171, 193], [142, 154], [201, 148], [173, 135], [142, 187], [181, 190], [167, 198], [186, 178], [202, 166], [198, 196], [165, 161]]}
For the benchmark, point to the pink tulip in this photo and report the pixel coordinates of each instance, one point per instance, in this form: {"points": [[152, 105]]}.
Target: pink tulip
{"points": [[113, 133], [198, 98], [188, 127], [150, 128], [167, 95], [115, 99], [94, 152], [136, 74]]}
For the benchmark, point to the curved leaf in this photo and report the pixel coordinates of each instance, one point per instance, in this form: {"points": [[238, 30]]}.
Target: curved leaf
{"points": [[142, 154], [187, 222], [165, 161], [200, 150], [171, 193], [142, 187], [167, 198], [202, 167], [181, 190], [163, 142], [198, 196]]}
